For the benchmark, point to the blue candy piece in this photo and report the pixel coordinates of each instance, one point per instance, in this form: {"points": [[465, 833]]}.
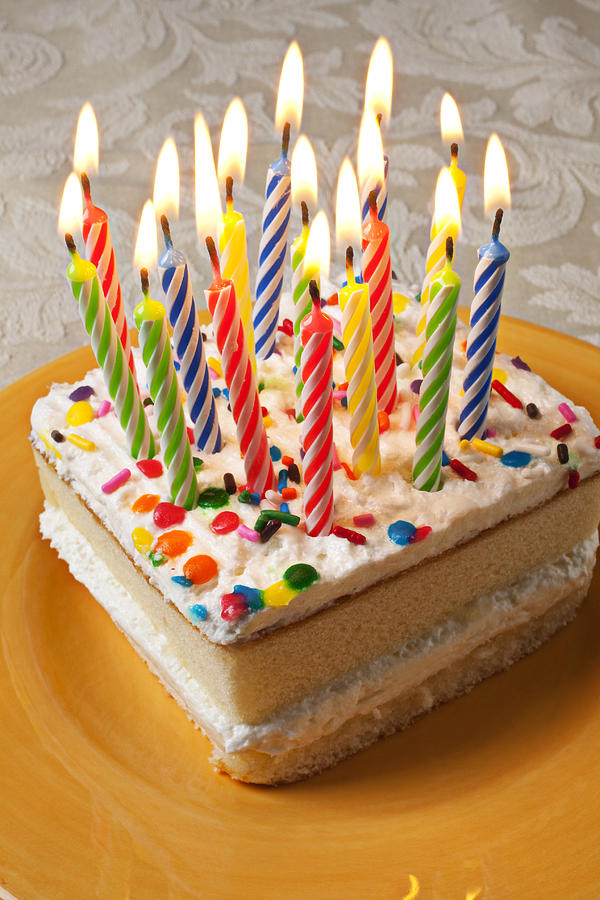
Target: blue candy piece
{"points": [[275, 453], [284, 508], [81, 393], [198, 612], [344, 401], [226, 393], [516, 459], [255, 499], [216, 392], [445, 458], [182, 580], [282, 480], [401, 532], [253, 596]]}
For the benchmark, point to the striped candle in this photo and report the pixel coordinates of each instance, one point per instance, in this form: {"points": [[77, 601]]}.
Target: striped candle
{"points": [[481, 341], [234, 260], [108, 350], [380, 187], [360, 373], [99, 251], [317, 411], [302, 302], [272, 250], [151, 320], [377, 273], [187, 343], [437, 367], [237, 370]]}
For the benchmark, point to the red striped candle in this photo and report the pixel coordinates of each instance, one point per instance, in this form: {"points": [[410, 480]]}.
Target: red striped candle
{"points": [[237, 371]]}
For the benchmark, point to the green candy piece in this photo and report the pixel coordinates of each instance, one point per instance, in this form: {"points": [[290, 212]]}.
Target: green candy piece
{"points": [[245, 497], [157, 559], [261, 387], [213, 498], [300, 576], [198, 463], [337, 344]]}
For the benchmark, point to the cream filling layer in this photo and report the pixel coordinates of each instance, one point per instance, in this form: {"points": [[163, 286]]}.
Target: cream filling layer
{"points": [[359, 694]]}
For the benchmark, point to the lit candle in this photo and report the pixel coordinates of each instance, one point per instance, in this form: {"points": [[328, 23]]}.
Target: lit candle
{"points": [[452, 130], [304, 191], [317, 411], [96, 230], [378, 100], [370, 162], [445, 224], [485, 308], [276, 213], [237, 371], [437, 368], [232, 238], [356, 326], [108, 350]]}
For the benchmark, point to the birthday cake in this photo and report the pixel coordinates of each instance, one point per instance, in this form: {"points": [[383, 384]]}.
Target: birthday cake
{"points": [[292, 652]]}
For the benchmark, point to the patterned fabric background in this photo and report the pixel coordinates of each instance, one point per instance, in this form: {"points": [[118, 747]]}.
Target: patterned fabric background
{"points": [[530, 71]]}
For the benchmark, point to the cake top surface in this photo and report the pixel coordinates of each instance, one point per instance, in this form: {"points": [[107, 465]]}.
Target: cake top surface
{"points": [[228, 583]]}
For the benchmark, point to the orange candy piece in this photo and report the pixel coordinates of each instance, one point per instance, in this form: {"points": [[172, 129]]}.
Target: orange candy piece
{"points": [[145, 503], [200, 569], [289, 493], [173, 543], [287, 460], [384, 421]]}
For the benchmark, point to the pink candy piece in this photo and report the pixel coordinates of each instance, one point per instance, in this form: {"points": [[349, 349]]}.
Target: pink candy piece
{"points": [[336, 327], [116, 481], [213, 373], [104, 408], [364, 520], [249, 533], [567, 412], [336, 460], [339, 395], [491, 432], [415, 412]]}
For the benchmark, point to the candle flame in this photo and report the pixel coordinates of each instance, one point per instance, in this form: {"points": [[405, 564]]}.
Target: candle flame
{"points": [[233, 145], [71, 206], [208, 201], [290, 96], [146, 247], [347, 208], [496, 184], [166, 181], [370, 150], [304, 173], [450, 124], [380, 80], [446, 209], [318, 250], [85, 157]]}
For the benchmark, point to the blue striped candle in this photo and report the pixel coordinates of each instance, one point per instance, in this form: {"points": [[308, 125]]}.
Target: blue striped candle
{"points": [[188, 346], [380, 189], [481, 342], [273, 250]]}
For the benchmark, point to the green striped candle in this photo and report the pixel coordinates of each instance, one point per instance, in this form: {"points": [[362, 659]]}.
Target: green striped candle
{"points": [[437, 367], [150, 318], [108, 350], [302, 301]]}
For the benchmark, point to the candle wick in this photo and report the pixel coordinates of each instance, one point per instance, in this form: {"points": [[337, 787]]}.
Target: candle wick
{"points": [[315, 294], [349, 265], [145, 281], [229, 190], [164, 224], [70, 244], [373, 204], [285, 139], [454, 151], [379, 117], [214, 258], [497, 222], [449, 249], [304, 208], [85, 184]]}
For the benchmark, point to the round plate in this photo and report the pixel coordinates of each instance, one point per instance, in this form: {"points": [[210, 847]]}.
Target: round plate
{"points": [[106, 789]]}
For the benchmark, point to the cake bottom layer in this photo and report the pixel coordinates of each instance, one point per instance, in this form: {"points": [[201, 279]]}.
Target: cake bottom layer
{"points": [[385, 696]]}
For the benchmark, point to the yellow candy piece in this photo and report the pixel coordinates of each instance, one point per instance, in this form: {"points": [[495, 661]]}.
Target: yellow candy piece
{"points": [[80, 413], [267, 421], [216, 365], [278, 594], [81, 442], [487, 447], [400, 302], [465, 444], [499, 375], [49, 445], [142, 539]]}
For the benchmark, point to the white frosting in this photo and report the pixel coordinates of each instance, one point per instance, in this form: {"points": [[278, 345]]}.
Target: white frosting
{"points": [[460, 510], [359, 694]]}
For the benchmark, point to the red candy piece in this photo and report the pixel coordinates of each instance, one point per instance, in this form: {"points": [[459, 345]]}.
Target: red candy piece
{"points": [[353, 536], [225, 522], [420, 534], [506, 394], [462, 470], [561, 432], [348, 471], [166, 515], [287, 327], [151, 468], [597, 442], [233, 606], [191, 438], [364, 520], [264, 411], [573, 479]]}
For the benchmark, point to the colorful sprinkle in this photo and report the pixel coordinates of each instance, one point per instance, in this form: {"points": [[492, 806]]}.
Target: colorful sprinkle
{"points": [[287, 327], [253, 596], [353, 536], [415, 385], [487, 447], [516, 459], [151, 468], [289, 493], [103, 410], [518, 363], [84, 392], [80, 413], [157, 559], [336, 460], [445, 458], [245, 497], [401, 532], [198, 612], [287, 460], [597, 442], [142, 539], [229, 482], [81, 442], [181, 580], [271, 527], [420, 534], [282, 480], [197, 463], [574, 479], [364, 520], [300, 576], [174, 543], [57, 436], [561, 432], [116, 481], [248, 533], [384, 421], [167, 514], [145, 503], [532, 411], [216, 392], [293, 472], [213, 498], [562, 451], [225, 522], [275, 453], [200, 569], [337, 344], [567, 412], [506, 394], [464, 471], [499, 375], [284, 508], [285, 517], [215, 364], [233, 606], [349, 473], [278, 594]]}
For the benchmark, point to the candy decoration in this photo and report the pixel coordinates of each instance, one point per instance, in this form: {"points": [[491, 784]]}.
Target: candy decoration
{"points": [[278, 594], [83, 392], [81, 442], [239, 376], [401, 532], [166, 515], [145, 503], [506, 394], [225, 522], [459, 467], [561, 432], [198, 612], [99, 251], [150, 317], [300, 576], [117, 481], [109, 352], [437, 366], [173, 543], [567, 413], [188, 345], [302, 302], [200, 569], [272, 250], [481, 341], [151, 468], [360, 372], [142, 539], [377, 273], [80, 413], [234, 257], [562, 451], [516, 459], [348, 534]]}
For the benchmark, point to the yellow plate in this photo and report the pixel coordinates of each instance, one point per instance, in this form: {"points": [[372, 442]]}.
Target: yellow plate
{"points": [[106, 789]]}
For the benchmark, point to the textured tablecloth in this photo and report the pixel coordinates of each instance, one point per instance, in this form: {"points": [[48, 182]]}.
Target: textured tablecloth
{"points": [[527, 70]]}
